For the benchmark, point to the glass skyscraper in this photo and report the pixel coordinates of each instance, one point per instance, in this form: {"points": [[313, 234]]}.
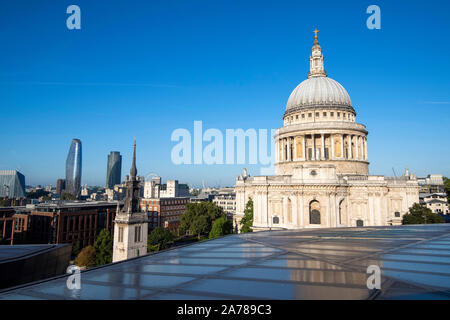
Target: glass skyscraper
{"points": [[114, 169], [73, 168], [12, 184]]}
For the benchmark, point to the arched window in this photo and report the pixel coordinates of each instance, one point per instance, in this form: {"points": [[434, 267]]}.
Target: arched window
{"points": [[314, 212]]}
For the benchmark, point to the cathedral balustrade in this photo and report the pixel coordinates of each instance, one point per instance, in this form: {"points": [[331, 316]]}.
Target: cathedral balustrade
{"points": [[322, 125]]}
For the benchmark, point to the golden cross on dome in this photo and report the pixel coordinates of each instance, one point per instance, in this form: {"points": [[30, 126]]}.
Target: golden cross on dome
{"points": [[315, 33]]}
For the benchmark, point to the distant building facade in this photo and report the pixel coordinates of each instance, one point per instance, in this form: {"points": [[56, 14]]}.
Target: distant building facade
{"points": [[114, 169], [64, 222], [60, 186], [436, 202], [12, 184], [433, 183], [164, 212], [227, 201], [73, 168], [172, 189]]}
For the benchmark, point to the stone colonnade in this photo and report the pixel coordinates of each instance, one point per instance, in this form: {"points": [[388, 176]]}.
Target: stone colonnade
{"points": [[321, 147]]}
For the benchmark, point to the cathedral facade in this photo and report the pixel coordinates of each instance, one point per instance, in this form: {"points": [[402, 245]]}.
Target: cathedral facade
{"points": [[322, 169]]}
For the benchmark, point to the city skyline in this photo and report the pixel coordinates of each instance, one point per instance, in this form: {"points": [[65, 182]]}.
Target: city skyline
{"points": [[227, 67]]}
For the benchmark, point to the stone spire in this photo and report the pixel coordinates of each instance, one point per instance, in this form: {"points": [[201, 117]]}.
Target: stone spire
{"points": [[316, 68], [133, 170], [131, 203]]}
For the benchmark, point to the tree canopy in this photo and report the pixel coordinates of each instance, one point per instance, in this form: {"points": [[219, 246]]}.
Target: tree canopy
{"points": [[68, 196], [419, 214], [221, 226], [247, 219], [86, 258], [159, 239], [199, 217], [38, 193], [447, 188], [76, 249], [5, 203], [103, 248]]}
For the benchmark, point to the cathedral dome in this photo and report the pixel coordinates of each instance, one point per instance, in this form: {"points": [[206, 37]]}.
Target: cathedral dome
{"points": [[318, 91]]}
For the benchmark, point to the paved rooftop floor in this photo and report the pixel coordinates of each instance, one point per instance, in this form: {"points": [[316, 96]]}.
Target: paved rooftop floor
{"points": [[301, 264]]}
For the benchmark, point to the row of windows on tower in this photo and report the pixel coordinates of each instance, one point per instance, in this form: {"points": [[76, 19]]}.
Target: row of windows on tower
{"points": [[137, 234], [325, 114]]}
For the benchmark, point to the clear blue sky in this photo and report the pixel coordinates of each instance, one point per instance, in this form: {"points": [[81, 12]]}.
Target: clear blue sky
{"points": [[145, 68]]}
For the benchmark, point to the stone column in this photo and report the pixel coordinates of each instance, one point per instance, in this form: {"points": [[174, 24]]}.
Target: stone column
{"points": [[350, 155], [288, 141], [291, 155], [322, 156], [277, 151], [285, 210], [365, 148], [328, 210], [295, 210], [332, 146], [357, 147], [342, 146], [302, 224], [360, 148], [287, 149], [304, 147], [290, 149], [313, 147], [295, 148]]}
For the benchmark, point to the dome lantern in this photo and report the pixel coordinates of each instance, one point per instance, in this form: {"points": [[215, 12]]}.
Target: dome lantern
{"points": [[316, 68]]}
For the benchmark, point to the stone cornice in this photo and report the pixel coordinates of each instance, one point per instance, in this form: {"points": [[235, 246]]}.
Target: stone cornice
{"points": [[315, 107], [320, 127]]}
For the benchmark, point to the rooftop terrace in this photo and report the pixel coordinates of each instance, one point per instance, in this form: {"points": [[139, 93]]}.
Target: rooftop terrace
{"points": [[303, 264]]}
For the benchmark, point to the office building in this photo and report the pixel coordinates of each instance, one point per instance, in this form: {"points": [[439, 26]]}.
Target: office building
{"points": [[114, 169], [12, 184], [73, 168]]}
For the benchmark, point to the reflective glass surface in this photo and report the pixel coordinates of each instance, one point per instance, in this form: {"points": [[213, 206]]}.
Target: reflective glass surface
{"points": [[297, 264]]}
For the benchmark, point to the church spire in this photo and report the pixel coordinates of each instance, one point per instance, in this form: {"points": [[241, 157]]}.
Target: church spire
{"points": [[131, 203], [316, 68], [133, 170]]}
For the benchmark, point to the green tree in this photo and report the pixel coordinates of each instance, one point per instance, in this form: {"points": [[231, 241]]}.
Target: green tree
{"points": [[419, 214], [4, 203], [199, 217], [247, 219], [103, 248], [159, 239], [86, 258], [221, 227], [76, 248], [447, 188], [68, 196], [37, 194]]}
